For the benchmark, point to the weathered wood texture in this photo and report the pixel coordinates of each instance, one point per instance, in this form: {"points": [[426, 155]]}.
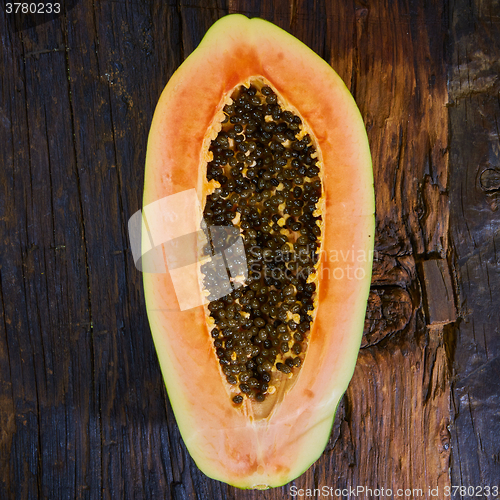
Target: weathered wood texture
{"points": [[83, 410], [475, 194]]}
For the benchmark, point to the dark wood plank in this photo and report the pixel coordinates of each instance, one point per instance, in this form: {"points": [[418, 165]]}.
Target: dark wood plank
{"points": [[474, 118], [119, 46], [44, 282]]}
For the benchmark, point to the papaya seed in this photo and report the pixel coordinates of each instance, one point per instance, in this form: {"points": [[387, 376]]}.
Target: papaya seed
{"points": [[269, 176]]}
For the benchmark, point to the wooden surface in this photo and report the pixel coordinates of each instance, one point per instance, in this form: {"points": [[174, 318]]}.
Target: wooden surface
{"points": [[83, 410], [474, 113]]}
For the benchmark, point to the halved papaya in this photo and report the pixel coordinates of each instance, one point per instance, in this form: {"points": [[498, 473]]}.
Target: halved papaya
{"points": [[273, 144]]}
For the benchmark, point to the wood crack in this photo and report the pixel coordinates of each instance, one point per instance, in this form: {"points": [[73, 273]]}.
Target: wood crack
{"points": [[181, 29]]}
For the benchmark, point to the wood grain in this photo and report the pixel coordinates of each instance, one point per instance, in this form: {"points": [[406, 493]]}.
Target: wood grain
{"points": [[438, 292], [83, 409], [474, 192]]}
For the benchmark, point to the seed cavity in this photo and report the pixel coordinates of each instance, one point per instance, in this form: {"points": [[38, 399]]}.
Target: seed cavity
{"points": [[266, 169]]}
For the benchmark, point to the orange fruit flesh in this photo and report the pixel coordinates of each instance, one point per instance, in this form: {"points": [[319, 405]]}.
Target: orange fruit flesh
{"points": [[258, 445]]}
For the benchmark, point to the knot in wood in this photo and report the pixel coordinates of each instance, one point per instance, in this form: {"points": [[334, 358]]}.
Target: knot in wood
{"points": [[389, 311]]}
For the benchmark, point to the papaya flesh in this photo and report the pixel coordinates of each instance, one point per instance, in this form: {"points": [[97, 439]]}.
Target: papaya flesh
{"points": [[266, 438]]}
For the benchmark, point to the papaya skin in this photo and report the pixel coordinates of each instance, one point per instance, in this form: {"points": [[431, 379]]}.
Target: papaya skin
{"points": [[227, 442]]}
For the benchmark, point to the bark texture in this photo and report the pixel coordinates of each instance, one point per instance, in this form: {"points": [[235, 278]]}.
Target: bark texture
{"points": [[83, 410]]}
